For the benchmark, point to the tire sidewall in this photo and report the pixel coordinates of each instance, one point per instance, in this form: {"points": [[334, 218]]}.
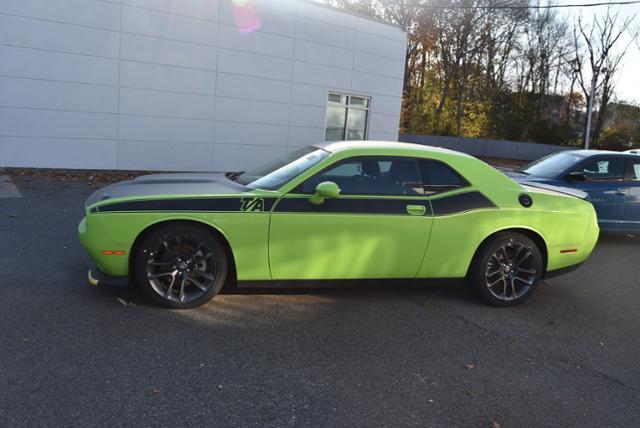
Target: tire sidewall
{"points": [[150, 242]]}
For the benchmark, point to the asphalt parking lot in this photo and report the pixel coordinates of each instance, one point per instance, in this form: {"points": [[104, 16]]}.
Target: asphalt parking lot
{"points": [[71, 354]]}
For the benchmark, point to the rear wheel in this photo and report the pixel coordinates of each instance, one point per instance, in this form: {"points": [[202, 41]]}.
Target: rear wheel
{"points": [[180, 266], [507, 269]]}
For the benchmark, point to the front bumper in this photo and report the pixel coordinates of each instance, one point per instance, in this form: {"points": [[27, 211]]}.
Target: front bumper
{"points": [[96, 241], [98, 278]]}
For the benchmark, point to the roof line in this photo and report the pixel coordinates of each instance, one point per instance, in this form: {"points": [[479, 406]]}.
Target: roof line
{"points": [[350, 12]]}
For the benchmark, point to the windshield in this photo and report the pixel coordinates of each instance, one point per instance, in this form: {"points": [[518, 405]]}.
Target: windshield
{"points": [[276, 173], [553, 165]]}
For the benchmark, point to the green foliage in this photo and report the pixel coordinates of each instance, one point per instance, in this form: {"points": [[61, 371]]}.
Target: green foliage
{"points": [[623, 131], [530, 117]]}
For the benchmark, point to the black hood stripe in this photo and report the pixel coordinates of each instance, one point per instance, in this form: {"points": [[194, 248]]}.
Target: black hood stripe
{"points": [[245, 204]]}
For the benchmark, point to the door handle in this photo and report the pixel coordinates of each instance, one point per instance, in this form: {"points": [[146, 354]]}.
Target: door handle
{"points": [[416, 209], [620, 192]]}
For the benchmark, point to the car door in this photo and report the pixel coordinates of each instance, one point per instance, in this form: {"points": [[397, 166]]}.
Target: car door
{"points": [[604, 182], [632, 198], [377, 228]]}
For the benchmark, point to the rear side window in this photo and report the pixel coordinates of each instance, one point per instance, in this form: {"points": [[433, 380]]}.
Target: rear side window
{"points": [[604, 169], [439, 177]]}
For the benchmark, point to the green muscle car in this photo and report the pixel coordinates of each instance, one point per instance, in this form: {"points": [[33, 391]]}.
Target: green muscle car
{"points": [[331, 214]]}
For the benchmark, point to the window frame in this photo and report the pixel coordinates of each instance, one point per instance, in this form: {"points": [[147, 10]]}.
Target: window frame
{"points": [[348, 107], [297, 190]]}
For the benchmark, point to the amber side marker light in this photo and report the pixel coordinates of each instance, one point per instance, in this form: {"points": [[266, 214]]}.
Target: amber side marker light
{"points": [[574, 250], [113, 253]]}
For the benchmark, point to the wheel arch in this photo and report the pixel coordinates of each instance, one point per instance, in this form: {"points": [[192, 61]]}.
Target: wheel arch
{"points": [[209, 227], [535, 236]]}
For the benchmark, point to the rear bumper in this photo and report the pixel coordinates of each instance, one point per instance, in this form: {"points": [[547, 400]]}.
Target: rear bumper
{"points": [[98, 278], [561, 271]]}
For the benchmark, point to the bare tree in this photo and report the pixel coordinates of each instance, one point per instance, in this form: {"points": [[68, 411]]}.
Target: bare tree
{"points": [[500, 68], [597, 56], [365, 7], [501, 32]]}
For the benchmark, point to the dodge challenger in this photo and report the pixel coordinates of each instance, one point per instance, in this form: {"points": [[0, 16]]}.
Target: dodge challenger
{"points": [[336, 213]]}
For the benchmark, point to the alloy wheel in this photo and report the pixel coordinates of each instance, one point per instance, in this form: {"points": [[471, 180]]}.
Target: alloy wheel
{"points": [[511, 272], [181, 268]]}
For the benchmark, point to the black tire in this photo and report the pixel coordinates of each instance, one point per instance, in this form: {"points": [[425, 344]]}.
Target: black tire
{"points": [[180, 265], [506, 269]]}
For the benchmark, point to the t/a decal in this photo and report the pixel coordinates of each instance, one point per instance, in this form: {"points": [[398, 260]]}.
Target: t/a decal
{"points": [[252, 204]]}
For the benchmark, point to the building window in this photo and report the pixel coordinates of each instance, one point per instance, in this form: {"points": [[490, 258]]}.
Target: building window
{"points": [[347, 117]]}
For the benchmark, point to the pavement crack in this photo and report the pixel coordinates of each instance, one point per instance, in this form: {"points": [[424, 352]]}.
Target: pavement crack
{"points": [[613, 379]]}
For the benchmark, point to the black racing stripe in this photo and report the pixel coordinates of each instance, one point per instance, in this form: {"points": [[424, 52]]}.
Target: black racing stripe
{"points": [[246, 204], [346, 205], [460, 203]]}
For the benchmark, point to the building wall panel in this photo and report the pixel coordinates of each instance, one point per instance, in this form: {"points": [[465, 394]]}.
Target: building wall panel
{"points": [[166, 78], [163, 25], [183, 84], [166, 104], [52, 95], [201, 9], [54, 36]]}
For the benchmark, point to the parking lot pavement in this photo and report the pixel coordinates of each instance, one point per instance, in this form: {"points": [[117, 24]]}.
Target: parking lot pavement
{"points": [[424, 355]]}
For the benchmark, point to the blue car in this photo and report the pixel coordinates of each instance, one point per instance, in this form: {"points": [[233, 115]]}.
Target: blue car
{"points": [[610, 179]]}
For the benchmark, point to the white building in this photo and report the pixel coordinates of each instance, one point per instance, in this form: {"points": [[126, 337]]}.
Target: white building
{"points": [[189, 84]]}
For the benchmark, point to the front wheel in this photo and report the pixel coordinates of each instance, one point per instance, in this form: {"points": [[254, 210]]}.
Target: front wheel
{"points": [[180, 266], [506, 269]]}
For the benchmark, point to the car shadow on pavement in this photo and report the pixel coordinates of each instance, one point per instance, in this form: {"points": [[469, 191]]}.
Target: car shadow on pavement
{"points": [[437, 291]]}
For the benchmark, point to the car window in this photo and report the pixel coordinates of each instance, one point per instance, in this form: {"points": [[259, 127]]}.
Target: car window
{"points": [[439, 177], [604, 169], [346, 170], [371, 176], [635, 169]]}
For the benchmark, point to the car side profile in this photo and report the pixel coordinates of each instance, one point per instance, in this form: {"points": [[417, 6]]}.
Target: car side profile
{"points": [[611, 179], [336, 213]]}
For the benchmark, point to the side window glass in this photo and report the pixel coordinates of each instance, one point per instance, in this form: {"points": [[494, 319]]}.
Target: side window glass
{"points": [[439, 177], [604, 169], [636, 170], [372, 176]]}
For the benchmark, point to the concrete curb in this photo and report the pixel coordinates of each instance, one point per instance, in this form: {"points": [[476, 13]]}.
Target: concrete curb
{"points": [[7, 188]]}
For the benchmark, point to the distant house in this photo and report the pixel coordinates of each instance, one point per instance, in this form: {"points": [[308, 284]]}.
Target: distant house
{"points": [[190, 84]]}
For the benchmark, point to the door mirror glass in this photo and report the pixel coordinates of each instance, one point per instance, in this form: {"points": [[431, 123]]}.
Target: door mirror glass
{"points": [[324, 190], [577, 176]]}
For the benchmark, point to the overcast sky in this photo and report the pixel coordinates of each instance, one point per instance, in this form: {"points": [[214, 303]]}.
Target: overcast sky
{"points": [[628, 79]]}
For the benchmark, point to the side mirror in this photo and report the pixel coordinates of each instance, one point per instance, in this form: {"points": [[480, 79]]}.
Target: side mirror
{"points": [[577, 176], [324, 190]]}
